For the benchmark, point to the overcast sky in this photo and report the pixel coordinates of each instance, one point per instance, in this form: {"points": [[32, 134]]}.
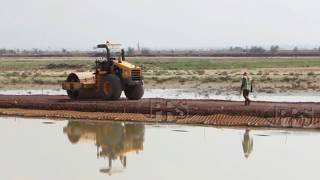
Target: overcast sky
{"points": [[80, 24]]}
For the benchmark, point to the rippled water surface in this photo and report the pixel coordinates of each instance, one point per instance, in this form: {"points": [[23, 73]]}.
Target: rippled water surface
{"points": [[46, 149]]}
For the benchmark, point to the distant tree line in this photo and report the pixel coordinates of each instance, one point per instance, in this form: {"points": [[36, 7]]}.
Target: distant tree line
{"points": [[236, 51], [274, 50]]}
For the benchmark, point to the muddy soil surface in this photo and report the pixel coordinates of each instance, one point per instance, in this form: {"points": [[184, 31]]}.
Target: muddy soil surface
{"points": [[178, 107], [214, 112]]}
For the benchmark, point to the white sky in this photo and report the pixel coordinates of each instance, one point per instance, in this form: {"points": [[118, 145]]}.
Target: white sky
{"points": [[81, 24]]}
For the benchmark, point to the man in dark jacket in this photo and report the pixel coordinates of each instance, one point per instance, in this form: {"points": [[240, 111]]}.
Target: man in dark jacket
{"points": [[246, 88]]}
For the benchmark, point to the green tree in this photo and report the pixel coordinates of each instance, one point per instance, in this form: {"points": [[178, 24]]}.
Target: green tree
{"points": [[130, 51], [274, 49], [145, 51], [64, 51], [257, 50]]}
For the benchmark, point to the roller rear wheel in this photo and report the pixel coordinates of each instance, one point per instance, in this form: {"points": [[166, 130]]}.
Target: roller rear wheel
{"points": [[110, 87]]}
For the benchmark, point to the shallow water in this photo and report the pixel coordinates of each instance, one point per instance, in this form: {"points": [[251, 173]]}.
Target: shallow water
{"points": [[37, 149], [294, 96]]}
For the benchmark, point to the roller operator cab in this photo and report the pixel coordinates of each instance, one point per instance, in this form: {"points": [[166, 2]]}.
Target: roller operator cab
{"points": [[112, 75]]}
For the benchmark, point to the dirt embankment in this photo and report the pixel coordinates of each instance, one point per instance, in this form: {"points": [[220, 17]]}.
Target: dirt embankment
{"points": [[210, 112]]}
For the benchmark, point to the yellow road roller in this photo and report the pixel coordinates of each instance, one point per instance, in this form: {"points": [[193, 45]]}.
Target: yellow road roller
{"points": [[112, 75]]}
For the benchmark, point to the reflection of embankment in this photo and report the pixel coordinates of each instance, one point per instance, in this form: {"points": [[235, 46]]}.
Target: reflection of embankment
{"points": [[209, 112], [113, 140]]}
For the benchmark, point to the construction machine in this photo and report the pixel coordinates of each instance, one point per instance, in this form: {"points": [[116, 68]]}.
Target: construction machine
{"points": [[112, 75]]}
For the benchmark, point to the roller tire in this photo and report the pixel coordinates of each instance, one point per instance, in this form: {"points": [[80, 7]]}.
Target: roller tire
{"points": [[134, 92], [71, 130], [75, 93], [110, 87]]}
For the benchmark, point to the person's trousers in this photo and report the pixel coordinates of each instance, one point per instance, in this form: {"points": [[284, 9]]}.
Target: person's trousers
{"points": [[246, 97]]}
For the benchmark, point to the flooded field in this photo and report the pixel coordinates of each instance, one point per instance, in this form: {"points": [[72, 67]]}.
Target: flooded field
{"points": [[36, 149], [291, 96]]}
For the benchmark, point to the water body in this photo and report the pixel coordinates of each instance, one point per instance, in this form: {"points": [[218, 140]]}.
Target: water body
{"points": [[37, 149], [294, 96]]}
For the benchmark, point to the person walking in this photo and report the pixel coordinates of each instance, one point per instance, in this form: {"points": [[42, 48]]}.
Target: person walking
{"points": [[246, 88]]}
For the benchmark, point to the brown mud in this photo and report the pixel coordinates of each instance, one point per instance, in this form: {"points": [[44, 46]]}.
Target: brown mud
{"points": [[208, 112]]}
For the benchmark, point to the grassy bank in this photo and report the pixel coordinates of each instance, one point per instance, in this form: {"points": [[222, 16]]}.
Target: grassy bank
{"points": [[151, 63], [226, 63], [268, 73]]}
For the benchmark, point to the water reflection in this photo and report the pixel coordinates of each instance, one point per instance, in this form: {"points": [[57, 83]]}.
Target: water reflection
{"points": [[113, 140], [247, 143]]}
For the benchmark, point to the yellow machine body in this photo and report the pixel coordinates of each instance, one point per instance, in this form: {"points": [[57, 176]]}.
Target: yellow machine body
{"points": [[112, 75], [90, 80]]}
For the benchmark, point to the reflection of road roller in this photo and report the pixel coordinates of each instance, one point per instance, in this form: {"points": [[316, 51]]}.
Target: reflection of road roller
{"points": [[113, 140], [112, 75]]}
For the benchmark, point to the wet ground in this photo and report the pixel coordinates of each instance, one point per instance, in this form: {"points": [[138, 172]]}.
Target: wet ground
{"points": [[36, 149]]}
